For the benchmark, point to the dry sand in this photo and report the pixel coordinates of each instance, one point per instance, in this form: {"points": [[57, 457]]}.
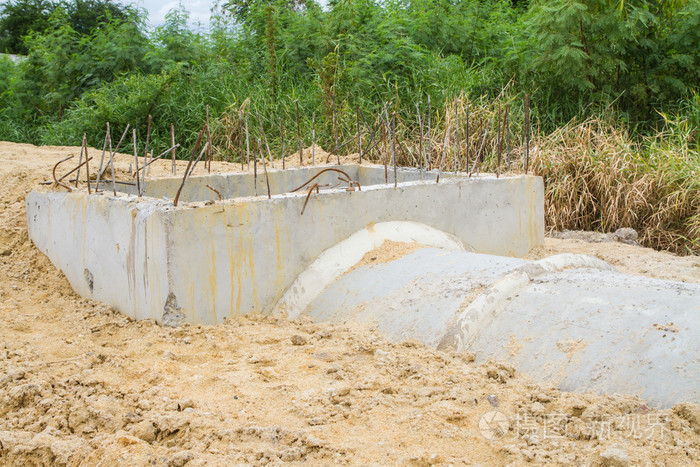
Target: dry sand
{"points": [[82, 384]]}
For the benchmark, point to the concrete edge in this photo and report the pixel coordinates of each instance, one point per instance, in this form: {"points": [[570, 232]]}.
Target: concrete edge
{"points": [[479, 313], [335, 261]]}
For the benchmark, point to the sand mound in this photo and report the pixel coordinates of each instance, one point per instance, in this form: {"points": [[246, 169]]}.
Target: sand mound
{"points": [[80, 383]]}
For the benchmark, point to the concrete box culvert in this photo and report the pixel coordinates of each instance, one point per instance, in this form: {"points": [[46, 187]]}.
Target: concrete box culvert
{"points": [[206, 260], [569, 320]]}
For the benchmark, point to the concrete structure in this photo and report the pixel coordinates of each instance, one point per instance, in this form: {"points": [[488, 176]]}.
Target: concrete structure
{"points": [[206, 260], [570, 320]]}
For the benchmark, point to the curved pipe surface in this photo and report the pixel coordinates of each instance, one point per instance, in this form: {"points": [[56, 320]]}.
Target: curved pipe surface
{"points": [[570, 320]]}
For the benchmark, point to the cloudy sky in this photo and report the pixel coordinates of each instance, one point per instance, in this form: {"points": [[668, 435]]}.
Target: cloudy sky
{"points": [[157, 9]]}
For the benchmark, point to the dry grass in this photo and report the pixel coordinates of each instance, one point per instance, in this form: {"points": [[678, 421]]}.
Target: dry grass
{"points": [[598, 178]]}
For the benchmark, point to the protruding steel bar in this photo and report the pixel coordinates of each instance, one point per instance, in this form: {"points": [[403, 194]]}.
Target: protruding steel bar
{"points": [[267, 179], [301, 149], [153, 159], [58, 182], [102, 159], [172, 144], [80, 161], [189, 164], [330, 169], [87, 165], [527, 132], [215, 191], [284, 154]]}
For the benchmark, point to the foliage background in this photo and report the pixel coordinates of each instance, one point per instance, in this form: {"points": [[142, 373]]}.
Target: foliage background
{"points": [[630, 65]]}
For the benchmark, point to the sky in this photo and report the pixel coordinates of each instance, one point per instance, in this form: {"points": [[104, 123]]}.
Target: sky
{"points": [[157, 9]]}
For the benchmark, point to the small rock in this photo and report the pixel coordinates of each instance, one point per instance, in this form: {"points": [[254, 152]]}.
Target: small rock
{"points": [[291, 455], [500, 371], [313, 442], [615, 456], [181, 458], [493, 400], [185, 404], [298, 340], [625, 235], [143, 404], [145, 430]]}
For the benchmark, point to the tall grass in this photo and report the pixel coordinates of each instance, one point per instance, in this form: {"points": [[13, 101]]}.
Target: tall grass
{"points": [[598, 178]]}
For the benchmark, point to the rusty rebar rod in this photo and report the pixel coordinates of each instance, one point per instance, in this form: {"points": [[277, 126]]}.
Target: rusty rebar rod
{"points": [[215, 191], [71, 172], [444, 148], [420, 146], [99, 170], [458, 164], [499, 141], [466, 155], [335, 126], [187, 170], [267, 180], [247, 140], [202, 153], [111, 159], [284, 155], [430, 145], [255, 174], [301, 149], [269, 153], [359, 138], [313, 138], [527, 132], [329, 169], [207, 158], [388, 130], [311, 190], [87, 165], [136, 161], [113, 153], [80, 161], [153, 159], [478, 155], [146, 157], [58, 182], [172, 144], [393, 147], [506, 119]]}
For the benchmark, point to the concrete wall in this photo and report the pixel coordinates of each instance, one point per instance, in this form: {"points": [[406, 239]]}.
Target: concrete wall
{"points": [[202, 263], [110, 249]]}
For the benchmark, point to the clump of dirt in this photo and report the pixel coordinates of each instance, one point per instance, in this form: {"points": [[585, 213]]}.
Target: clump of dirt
{"points": [[82, 384], [388, 251]]}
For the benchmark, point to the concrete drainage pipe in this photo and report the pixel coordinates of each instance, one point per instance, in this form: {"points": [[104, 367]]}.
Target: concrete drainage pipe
{"points": [[570, 320]]}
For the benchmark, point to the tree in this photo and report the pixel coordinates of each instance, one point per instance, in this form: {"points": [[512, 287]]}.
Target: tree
{"points": [[19, 18]]}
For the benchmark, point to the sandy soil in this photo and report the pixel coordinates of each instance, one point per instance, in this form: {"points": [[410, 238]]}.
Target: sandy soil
{"points": [[82, 384]]}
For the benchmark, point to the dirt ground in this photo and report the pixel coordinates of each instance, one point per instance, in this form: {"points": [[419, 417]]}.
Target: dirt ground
{"points": [[82, 384]]}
